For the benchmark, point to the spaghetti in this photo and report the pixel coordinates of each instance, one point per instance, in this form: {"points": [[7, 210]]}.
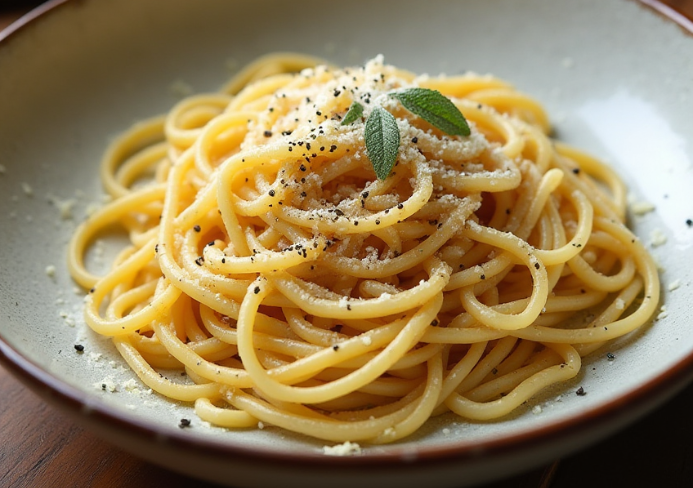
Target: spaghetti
{"points": [[295, 288]]}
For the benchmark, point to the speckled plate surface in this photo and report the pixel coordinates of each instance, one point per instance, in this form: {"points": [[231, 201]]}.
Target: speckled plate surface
{"points": [[614, 75]]}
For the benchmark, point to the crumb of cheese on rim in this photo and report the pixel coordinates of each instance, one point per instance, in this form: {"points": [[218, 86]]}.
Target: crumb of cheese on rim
{"points": [[641, 208], [674, 285], [345, 449], [657, 238]]}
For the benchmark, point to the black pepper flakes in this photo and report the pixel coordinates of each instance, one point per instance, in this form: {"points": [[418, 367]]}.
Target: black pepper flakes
{"points": [[689, 222], [580, 392], [184, 423], [79, 348], [256, 290], [197, 228], [267, 133]]}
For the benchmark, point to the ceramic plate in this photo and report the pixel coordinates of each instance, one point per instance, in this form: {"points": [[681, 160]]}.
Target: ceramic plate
{"points": [[614, 75]]}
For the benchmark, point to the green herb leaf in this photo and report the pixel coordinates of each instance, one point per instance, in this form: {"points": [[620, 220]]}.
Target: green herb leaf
{"points": [[382, 141], [355, 112], [435, 108]]}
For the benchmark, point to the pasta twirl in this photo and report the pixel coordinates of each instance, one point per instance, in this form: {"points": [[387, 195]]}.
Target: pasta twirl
{"points": [[295, 288]]}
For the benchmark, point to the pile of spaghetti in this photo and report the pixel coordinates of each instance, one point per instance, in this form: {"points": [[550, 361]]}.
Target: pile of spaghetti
{"points": [[294, 288]]}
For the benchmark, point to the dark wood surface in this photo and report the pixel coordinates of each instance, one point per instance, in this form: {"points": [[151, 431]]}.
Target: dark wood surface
{"points": [[42, 447]]}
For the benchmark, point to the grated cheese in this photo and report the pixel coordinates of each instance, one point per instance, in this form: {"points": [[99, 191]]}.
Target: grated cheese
{"points": [[345, 449]]}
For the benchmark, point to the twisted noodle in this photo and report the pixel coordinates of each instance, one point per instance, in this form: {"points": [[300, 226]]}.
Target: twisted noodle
{"points": [[296, 289]]}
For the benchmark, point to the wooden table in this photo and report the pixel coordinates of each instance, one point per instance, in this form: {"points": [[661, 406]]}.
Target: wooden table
{"points": [[42, 447]]}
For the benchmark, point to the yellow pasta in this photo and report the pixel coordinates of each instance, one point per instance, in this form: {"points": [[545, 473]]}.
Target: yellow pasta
{"points": [[297, 289]]}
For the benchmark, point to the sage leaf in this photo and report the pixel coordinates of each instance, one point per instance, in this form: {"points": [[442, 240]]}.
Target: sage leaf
{"points": [[355, 112], [435, 108], [382, 141]]}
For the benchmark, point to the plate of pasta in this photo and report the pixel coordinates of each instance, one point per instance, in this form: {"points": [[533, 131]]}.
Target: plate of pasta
{"points": [[346, 254]]}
